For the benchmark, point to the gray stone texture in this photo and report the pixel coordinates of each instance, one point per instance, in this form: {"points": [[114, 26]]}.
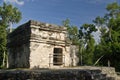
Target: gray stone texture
{"points": [[56, 74], [32, 45]]}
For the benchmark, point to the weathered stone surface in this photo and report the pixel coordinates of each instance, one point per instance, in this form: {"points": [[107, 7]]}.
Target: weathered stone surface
{"points": [[34, 45], [74, 51], [109, 72], [54, 74], [45, 75]]}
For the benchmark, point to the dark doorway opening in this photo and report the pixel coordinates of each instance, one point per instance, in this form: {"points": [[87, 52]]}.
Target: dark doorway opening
{"points": [[58, 56]]}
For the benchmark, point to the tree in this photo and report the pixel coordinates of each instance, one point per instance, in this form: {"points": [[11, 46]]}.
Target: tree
{"points": [[109, 45], [88, 43], [8, 15], [72, 32], [83, 38], [2, 44]]}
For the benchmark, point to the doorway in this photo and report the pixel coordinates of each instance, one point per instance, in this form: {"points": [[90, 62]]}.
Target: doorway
{"points": [[57, 56]]}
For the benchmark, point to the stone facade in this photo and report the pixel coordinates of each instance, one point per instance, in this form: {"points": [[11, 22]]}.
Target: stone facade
{"points": [[40, 45]]}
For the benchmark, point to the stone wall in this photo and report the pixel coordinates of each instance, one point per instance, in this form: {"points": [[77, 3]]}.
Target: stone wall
{"points": [[45, 75], [32, 45], [55, 74], [42, 56], [19, 57], [109, 71], [44, 38], [74, 51], [18, 47]]}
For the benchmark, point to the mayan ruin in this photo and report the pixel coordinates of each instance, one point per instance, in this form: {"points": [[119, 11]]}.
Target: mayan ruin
{"points": [[40, 45], [60, 40]]}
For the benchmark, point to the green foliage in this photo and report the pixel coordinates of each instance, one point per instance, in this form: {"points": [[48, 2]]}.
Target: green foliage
{"points": [[88, 43], [99, 21], [84, 38], [8, 15], [108, 49], [113, 9], [2, 42], [72, 32], [110, 37]]}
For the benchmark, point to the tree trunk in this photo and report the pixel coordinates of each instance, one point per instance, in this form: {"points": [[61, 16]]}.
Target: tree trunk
{"points": [[4, 56]]}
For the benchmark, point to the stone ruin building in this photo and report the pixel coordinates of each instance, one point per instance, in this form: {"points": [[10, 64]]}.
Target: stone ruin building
{"points": [[40, 45]]}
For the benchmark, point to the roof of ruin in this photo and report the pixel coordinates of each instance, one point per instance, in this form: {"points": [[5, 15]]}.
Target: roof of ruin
{"points": [[39, 25], [23, 33]]}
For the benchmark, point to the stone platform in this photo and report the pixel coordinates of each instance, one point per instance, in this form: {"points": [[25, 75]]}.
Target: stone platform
{"points": [[77, 73]]}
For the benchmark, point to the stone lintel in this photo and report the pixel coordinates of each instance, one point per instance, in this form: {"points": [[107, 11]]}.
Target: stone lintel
{"points": [[59, 43]]}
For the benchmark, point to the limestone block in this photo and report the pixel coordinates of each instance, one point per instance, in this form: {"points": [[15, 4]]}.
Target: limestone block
{"points": [[32, 45]]}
